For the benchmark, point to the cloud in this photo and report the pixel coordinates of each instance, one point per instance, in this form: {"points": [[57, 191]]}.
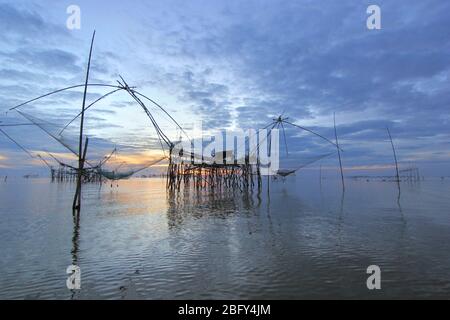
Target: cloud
{"points": [[53, 60], [240, 64]]}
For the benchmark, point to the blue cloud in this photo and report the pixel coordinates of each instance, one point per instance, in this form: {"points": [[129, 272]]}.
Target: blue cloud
{"points": [[239, 64]]}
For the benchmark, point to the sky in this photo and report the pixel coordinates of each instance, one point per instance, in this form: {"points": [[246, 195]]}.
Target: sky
{"points": [[234, 65]]}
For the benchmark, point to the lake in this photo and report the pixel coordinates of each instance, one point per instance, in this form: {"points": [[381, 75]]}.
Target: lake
{"points": [[306, 240]]}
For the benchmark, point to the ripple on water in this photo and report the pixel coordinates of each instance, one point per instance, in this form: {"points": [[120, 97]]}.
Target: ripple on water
{"points": [[135, 241]]}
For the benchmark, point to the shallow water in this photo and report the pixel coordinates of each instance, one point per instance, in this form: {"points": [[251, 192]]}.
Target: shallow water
{"points": [[306, 241]]}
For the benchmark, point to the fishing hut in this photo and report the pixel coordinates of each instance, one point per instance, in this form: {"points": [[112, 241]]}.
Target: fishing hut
{"points": [[202, 172]]}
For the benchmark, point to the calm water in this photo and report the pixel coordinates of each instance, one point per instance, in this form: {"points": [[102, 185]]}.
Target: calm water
{"points": [[307, 241]]}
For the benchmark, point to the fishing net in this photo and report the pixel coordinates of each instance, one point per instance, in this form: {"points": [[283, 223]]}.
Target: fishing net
{"points": [[298, 147], [116, 150]]}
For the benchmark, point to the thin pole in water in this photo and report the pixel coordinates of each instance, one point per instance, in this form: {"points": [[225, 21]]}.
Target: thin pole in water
{"points": [[339, 152], [395, 158], [77, 198], [320, 175]]}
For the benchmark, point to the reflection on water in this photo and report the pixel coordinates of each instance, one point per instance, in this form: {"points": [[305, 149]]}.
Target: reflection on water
{"points": [[75, 239], [308, 240], [194, 203]]}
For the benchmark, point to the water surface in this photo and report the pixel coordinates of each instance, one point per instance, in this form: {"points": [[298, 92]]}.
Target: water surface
{"points": [[305, 241]]}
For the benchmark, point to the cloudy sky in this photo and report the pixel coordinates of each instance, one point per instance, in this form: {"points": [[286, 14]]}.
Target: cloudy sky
{"points": [[235, 64]]}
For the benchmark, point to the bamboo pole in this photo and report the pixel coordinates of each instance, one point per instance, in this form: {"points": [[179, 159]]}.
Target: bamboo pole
{"points": [[395, 158], [339, 152], [77, 199], [320, 175], [81, 158], [64, 89]]}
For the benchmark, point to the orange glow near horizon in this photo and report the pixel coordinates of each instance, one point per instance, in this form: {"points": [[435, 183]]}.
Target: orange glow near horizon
{"points": [[371, 167], [128, 159], [136, 159], [3, 166]]}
